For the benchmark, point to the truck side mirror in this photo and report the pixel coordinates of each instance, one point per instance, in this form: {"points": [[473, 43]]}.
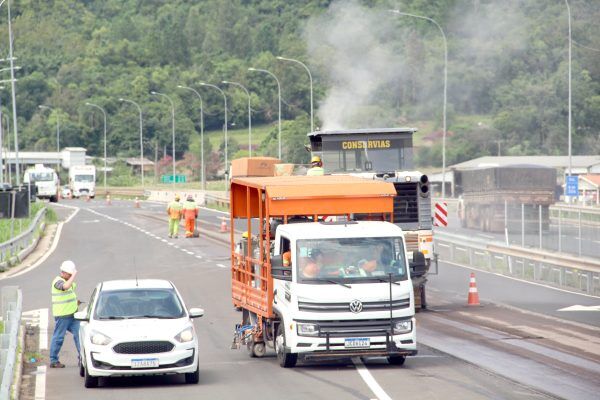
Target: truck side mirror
{"points": [[278, 271], [418, 265]]}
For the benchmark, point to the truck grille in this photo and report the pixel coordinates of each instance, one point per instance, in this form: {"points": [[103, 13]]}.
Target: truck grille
{"points": [[147, 347], [406, 202], [358, 328], [367, 306]]}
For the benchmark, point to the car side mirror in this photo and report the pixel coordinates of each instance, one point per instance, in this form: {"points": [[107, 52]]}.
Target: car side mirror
{"points": [[418, 266], [81, 316], [196, 312], [277, 261]]}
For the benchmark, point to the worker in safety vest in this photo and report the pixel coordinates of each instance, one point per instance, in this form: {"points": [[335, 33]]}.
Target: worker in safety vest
{"points": [[316, 167], [174, 210], [64, 306], [190, 213]]}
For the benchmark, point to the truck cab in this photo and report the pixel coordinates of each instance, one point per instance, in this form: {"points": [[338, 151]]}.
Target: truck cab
{"points": [[347, 291], [46, 181], [82, 180]]}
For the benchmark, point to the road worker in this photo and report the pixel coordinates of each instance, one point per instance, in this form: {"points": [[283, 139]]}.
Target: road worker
{"points": [[287, 258], [190, 213], [174, 210], [64, 306], [316, 167]]}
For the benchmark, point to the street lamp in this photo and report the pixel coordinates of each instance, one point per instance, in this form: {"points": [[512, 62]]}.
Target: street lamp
{"points": [[14, 99], [202, 168], [249, 114], [42, 107], [173, 127], [445, 91], [312, 125], [279, 95], [141, 136], [569, 15], [103, 113], [225, 102]]}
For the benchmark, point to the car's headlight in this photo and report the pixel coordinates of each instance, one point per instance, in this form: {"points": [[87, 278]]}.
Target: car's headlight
{"points": [[186, 335], [307, 329], [402, 326], [99, 338]]}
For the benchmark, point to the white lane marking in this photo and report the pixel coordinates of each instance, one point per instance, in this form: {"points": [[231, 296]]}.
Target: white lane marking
{"points": [[170, 243], [91, 221], [40, 383], [369, 380], [200, 257], [580, 308], [191, 253], [164, 240], [486, 236], [520, 280], [222, 266]]}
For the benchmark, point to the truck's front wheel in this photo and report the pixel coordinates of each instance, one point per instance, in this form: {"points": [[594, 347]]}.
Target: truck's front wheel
{"points": [[396, 360], [286, 359]]}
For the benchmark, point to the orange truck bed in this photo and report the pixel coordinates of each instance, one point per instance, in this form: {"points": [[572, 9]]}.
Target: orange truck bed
{"points": [[282, 197]]}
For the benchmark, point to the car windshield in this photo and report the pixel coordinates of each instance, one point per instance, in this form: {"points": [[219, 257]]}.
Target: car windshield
{"points": [[138, 303], [84, 178], [41, 176], [350, 260]]}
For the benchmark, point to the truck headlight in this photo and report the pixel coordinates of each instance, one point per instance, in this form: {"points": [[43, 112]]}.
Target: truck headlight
{"points": [[99, 338], [307, 329], [186, 335], [402, 326]]}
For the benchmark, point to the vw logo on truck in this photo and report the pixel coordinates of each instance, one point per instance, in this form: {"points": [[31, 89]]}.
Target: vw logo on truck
{"points": [[356, 306]]}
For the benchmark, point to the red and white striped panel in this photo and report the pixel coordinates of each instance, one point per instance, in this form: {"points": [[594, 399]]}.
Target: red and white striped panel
{"points": [[441, 214]]}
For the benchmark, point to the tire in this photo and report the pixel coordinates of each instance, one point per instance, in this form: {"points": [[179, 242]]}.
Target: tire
{"points": [[193, 377], [81, 369], [53, 199], [396, 360], [286, 360], [257, 349], [89, 381]]}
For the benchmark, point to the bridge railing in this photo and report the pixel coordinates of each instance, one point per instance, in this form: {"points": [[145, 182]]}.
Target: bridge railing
{"points": [[11, 307], [558, 270], [21, 245]]}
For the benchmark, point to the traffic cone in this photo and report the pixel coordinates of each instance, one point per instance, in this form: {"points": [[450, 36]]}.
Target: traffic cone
{"points": [[473, 299], [137, 203], [224, 227], [108, 202], [87, 198]]}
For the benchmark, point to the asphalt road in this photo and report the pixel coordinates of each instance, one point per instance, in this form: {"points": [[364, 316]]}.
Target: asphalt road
{"points": [[118, 241]]}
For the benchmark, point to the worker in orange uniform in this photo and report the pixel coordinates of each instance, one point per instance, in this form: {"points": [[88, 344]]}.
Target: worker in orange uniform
{"points": [[174, 211], [190, 213]]}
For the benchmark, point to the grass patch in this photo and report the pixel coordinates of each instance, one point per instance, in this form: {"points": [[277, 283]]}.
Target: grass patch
{"points": [[20, 224], [1, 327], [259, 133]]}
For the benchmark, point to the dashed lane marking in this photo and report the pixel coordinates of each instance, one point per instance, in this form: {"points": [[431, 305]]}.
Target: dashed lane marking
{"points": [[369, 380], [222, 266]]}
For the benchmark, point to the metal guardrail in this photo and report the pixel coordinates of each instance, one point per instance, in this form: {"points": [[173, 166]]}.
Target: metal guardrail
{"points": [[120, 191], [11, 307], [220, 201], [22, 244], [537, 266]]}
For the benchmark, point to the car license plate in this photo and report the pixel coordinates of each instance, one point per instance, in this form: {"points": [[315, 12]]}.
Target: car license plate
{"points": [[354, 343], [144, 363]]}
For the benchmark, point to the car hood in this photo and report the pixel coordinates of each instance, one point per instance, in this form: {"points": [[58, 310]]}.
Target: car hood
{"points": [[141, 329]]}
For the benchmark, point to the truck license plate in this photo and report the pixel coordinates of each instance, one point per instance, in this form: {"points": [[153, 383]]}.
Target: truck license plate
{"points": [[144, 363], [354, 343]]}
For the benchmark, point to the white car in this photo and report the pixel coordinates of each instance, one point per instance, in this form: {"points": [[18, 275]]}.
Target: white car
{"points": [[65, 192], [137, 327]]}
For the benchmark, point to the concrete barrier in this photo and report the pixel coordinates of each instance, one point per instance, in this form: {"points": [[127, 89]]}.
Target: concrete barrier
{"points": [[165, 196]]}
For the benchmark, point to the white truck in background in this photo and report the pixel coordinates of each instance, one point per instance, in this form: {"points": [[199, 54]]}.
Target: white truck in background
{"points": [[82, 180], [46, 181]]}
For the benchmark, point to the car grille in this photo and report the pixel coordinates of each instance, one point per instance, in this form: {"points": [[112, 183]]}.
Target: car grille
{"points": [[148, 347], [342, 307], [358, 328]]}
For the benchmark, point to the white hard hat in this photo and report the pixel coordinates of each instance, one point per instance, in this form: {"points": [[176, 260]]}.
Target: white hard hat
{"points": [[68, 267]]}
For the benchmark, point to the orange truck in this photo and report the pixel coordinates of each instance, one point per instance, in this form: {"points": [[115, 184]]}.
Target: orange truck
{"points": [[313, 289]]}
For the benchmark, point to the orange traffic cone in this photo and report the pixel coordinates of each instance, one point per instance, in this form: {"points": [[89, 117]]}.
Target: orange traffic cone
{"points": [[473, 299], [224, 227], [137, 203], [108, 202]]}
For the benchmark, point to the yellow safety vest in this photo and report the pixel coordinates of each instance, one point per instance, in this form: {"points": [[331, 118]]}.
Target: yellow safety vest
{"points": [[315, 171], [174, 210], [64, 302]]}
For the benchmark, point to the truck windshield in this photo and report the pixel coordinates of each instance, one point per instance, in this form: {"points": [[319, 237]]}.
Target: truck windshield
{"points": [[84, 178], [366, 154], [41, 176], [350, 260]]}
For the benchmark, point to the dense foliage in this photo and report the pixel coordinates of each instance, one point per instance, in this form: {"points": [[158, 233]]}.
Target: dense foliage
{"points": [[507, 74]]}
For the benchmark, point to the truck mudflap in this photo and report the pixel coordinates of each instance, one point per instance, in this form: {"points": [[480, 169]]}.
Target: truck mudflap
{"points": [[390, 350]]}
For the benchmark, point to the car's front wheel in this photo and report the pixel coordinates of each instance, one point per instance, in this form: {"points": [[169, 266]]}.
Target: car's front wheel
{"points": [[193, 377], [89, 381]]}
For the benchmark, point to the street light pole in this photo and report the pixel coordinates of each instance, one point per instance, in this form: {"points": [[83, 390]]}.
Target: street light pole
{"points": [[312, 123], [14, 100], [445, 93], [141, 136], [570, 42], [173, 127], [249, 114], [279, 95], [225, 102], [202, 168], [104, 114]]}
